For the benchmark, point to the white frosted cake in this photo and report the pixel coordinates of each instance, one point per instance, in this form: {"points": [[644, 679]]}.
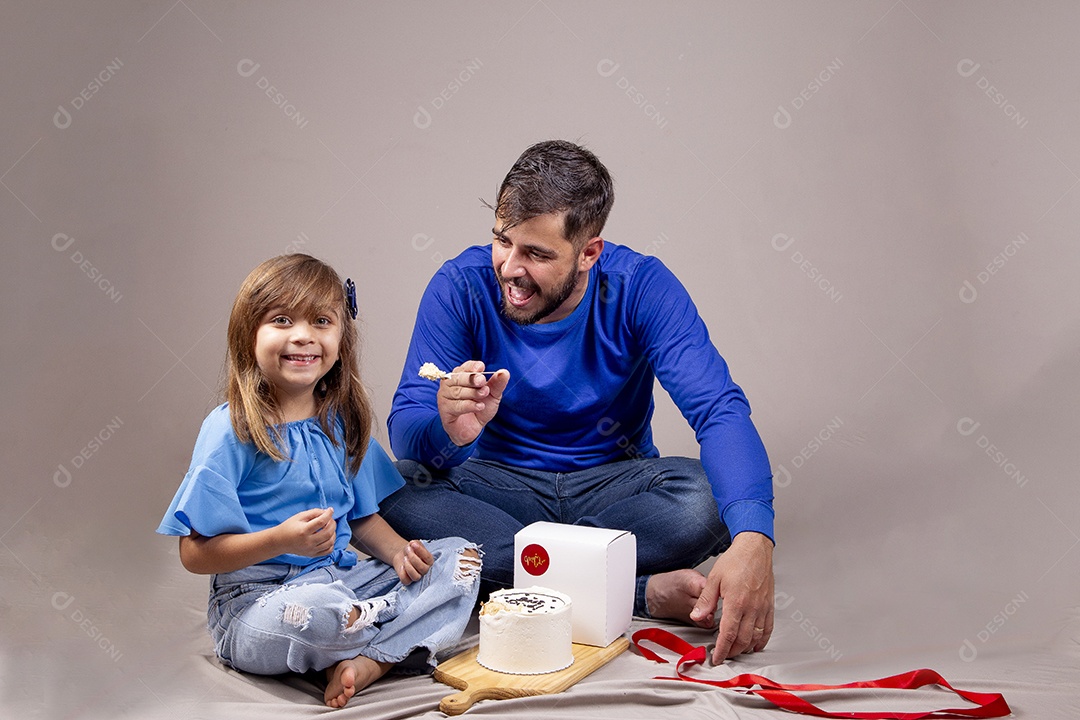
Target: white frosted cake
{"points": [[525, 631]]}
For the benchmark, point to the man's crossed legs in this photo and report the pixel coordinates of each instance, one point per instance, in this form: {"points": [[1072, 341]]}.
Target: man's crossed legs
{"points": [[666, 502]]}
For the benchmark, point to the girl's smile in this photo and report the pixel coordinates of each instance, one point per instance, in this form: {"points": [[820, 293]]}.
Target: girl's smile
{"points": [[294, 351], [301, 359]]}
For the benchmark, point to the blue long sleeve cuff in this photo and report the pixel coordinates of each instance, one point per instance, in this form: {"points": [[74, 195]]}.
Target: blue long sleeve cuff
{"points": [[750, 515]]}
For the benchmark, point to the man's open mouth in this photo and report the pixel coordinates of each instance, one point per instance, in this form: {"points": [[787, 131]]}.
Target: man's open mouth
{"points": [[518, 296]]}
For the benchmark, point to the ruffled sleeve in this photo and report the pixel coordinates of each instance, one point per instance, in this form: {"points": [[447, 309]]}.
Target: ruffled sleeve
{"points": [[376, 479], [207, 500]]}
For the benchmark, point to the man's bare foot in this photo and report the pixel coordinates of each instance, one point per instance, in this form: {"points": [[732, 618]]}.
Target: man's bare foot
{"points": [[349, 677], [672, 595]]}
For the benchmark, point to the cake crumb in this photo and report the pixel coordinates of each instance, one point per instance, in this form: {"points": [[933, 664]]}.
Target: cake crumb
{"points": [[431, 371]]}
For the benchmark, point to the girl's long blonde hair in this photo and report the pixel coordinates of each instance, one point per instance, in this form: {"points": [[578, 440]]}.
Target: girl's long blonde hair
{"points": [[302, 283]]}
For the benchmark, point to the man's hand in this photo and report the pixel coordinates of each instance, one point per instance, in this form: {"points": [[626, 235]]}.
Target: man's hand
{"points": [[412, 562], [467, 402], [743, 578]]}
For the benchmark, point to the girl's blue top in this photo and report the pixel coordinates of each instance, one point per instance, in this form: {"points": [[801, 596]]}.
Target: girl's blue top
{"points": [[232, 487]]}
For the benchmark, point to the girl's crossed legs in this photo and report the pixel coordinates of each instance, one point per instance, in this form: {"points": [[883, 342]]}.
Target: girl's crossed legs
{"points": [[356, 622]]}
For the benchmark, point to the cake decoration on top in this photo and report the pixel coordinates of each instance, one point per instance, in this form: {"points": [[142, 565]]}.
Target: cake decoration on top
{"points": [[526, 631]]}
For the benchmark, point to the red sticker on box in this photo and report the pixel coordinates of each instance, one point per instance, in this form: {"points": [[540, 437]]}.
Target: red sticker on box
{"points": [[535, 560]]}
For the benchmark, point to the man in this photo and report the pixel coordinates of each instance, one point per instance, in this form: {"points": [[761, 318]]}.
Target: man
{"points": [[578, 329]]}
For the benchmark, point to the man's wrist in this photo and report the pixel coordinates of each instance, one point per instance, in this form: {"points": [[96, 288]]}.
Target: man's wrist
{"points": [[751, 538]]}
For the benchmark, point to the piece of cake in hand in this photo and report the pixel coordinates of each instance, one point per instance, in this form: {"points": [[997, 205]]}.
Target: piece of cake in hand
{"points": [[431, 371], [526, 631]]}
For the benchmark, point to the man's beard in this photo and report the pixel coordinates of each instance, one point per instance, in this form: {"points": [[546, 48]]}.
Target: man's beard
{"points": [[550, 304]]}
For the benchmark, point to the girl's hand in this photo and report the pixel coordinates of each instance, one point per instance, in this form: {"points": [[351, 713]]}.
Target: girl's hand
{"points": [[412, 561], [311, 533]]}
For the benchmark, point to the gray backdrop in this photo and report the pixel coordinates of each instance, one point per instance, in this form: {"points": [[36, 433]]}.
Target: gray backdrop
{"points": [[874, 205]]}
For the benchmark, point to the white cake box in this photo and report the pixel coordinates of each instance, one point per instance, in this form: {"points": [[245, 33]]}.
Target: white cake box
{"points": [[596, 567]]}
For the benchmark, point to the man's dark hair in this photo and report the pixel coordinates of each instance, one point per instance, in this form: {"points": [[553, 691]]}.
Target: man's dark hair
{"points": [[556, 176]]}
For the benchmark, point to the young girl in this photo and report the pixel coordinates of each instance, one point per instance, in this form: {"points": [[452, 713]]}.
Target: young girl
{"points": [[282, 475]]}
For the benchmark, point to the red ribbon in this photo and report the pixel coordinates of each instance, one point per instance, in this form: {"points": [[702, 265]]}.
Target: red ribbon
{"points": [[988, 705]]}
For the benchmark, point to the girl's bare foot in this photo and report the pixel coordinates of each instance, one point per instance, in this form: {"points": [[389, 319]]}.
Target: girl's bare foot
{"points": [[672, 595], [349, 677]]}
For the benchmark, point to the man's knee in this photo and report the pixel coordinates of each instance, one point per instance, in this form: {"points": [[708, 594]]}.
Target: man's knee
{"points": [[699, 516], [686, 479]]}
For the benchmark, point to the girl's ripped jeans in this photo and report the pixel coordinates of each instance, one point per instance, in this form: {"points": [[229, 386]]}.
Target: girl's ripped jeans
{"points": [[272, 619]]}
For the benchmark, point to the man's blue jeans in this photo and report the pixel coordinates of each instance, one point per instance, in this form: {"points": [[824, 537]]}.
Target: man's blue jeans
{"points": [[666, 502]]}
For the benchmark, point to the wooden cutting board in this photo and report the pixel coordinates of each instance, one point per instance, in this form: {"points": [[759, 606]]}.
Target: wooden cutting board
{"points": [[476, 682]]}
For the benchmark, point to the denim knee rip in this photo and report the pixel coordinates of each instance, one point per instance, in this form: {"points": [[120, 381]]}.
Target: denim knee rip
{"points": [[468, 567], [294, 614], [367, 613]]}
